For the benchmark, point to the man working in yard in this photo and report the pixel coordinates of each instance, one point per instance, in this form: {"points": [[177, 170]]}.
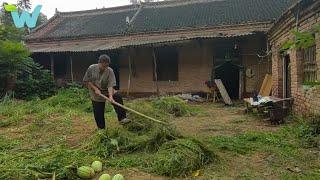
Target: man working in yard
{"points": [[100, 79]]}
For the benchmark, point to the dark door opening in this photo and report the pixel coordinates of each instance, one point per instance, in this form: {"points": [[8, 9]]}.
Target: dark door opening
{"points": [[60, 66], [167, 64], [229, 75], [287, 77]]}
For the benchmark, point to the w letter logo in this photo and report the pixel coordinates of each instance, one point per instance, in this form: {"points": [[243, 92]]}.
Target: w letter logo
{"points": [[25, 17]]}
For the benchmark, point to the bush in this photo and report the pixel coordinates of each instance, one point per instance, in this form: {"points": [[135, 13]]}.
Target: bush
{"points": [[35, 84], [72, 97], [310, 132], [314, 125]]}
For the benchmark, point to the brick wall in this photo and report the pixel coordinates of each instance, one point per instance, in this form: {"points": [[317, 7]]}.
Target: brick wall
{"points": [[260, 66], [195, 62], [306, 101], [194, 67]]}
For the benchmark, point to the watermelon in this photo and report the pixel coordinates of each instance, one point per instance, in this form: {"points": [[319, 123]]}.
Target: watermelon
{"points": [[85, 172], [105, 177], [118, 177], [97, 166]]}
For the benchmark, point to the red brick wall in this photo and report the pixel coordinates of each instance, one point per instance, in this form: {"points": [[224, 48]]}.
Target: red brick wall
{"points": [[305, 101]]}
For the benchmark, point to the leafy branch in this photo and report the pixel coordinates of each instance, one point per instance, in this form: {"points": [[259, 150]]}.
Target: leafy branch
{"points": [[302, 40]]}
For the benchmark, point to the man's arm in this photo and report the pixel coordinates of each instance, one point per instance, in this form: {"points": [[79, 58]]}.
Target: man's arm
{"points": [[111, 84], [93, 87], [87, 79]]}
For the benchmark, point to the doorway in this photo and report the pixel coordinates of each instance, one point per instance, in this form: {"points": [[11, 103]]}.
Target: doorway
{"points": [[229, 74]]}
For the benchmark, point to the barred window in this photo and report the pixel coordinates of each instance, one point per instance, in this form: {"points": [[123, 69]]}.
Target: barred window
{"points": [[310, 64]]}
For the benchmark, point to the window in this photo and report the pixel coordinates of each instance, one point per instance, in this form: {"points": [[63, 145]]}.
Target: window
{"points": [[310, 64], [167, 64]]}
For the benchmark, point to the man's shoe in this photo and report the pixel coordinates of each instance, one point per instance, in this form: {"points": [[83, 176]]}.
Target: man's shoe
{"points": [[124, 121]]}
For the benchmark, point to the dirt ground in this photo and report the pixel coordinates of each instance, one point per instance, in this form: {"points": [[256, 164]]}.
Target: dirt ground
{"points": [[221, 120]]}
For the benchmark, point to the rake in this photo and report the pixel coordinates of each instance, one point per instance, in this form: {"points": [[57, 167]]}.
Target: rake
{"points": [[134, 111]]}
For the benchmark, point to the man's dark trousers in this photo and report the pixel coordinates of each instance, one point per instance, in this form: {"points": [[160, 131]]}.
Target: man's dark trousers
{"points": [[98, 110]]}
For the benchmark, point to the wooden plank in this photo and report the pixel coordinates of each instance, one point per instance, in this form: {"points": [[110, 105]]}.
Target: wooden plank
{"points": [[266, 87], [223, 92]]}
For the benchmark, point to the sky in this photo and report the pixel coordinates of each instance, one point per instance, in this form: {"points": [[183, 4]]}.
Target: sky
{"points": [[49, 6]]}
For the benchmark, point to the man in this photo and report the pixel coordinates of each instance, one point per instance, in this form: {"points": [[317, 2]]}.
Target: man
{"points": [[100, 79]]}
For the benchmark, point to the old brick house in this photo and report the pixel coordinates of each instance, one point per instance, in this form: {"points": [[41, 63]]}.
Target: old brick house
{"points": [[291, 70], [171, 46]]}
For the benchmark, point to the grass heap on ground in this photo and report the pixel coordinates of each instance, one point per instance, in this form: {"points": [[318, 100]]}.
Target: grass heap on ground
{"points": [[42, 148], [40, 138]]}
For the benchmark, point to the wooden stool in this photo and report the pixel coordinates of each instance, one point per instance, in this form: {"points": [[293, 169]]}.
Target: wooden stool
{"points": [[212, 94]]}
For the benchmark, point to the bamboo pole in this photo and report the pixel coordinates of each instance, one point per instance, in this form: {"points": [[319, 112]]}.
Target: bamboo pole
{"points": [[155, 70], [136, 112]]}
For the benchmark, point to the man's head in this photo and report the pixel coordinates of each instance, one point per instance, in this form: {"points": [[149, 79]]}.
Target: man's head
{"points": [[104, 61]]}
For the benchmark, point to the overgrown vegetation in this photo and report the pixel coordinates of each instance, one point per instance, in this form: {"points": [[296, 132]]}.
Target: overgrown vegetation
{"points": [[310, 132], [36, 83], [52, 155], [18, 72], [42, 138]]}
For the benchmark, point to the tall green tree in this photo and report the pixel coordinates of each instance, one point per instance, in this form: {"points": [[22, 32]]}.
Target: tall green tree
{"points": [[15, 61]]}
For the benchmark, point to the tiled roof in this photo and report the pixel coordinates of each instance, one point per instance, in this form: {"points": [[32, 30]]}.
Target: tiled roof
{"points": [[208, 14], [160, 17]]}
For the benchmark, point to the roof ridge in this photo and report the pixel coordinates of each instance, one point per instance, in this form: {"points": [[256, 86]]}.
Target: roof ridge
{"points": [[173, 3], [166, 3], [116, 9]]}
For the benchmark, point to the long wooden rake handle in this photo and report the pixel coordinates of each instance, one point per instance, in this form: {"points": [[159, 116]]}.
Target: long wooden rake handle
{"points": [[134, 111]]}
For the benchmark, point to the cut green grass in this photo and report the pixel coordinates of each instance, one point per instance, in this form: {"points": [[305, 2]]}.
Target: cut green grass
{"points": [[34, 140]]}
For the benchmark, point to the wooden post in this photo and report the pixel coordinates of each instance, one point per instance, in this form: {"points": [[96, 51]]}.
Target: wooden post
{"points": [[155, 70], [240, 83], [71, 68], [130, 72], [52, 66], [284, 88]]}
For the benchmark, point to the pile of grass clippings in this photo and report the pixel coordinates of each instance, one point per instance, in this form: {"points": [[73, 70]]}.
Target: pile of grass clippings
{"points": [[42, 163], [173, 105], [180, 157], [119, 140]]}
